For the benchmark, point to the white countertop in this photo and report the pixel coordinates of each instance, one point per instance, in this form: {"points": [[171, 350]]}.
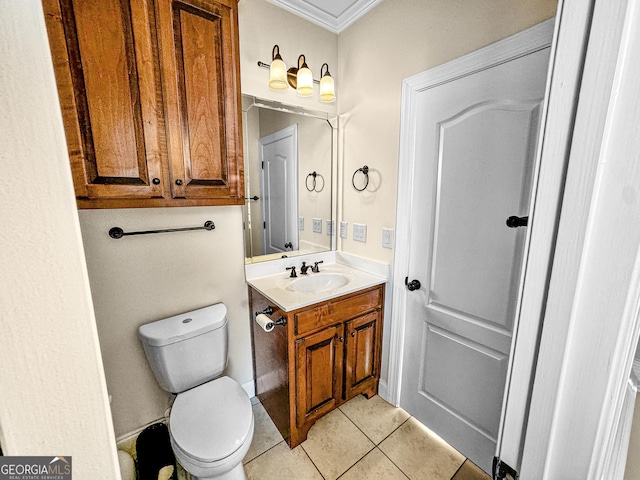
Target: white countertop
{"points": [[277, 287]]}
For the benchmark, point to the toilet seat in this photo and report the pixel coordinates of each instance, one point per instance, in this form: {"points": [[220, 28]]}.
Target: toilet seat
{"points": [[212, 421]]}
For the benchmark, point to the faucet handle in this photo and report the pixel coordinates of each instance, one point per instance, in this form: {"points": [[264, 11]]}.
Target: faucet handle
{"points": [[293, 271], [315, 268]]}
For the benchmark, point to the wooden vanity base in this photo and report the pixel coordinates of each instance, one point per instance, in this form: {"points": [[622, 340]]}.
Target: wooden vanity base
{"points": [[326, 354]]}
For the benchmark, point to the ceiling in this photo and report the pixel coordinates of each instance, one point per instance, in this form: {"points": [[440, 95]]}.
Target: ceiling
{"points": [[333, 15]]}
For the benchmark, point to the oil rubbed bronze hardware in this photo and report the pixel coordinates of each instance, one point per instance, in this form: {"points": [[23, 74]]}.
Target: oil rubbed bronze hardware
{"points": [[267, 311], [365, 172], [117, 232], [514, 222]]}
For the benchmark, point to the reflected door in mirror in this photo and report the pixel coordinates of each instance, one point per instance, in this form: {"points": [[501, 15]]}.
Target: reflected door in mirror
{"points": [[279, 160]]}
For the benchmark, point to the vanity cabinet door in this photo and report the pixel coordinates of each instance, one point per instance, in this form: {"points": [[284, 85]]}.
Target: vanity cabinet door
{"points": [[104, 55], [362, 354], [318, 379], [199, 51]]}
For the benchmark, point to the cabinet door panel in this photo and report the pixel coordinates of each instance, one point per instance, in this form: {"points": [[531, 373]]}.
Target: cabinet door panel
{"points": [[103, 55], [318, 373], [362, 337], [199, 48]]}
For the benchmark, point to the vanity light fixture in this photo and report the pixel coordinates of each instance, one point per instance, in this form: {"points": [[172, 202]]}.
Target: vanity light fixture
{"points": [[299, 77], [327, 87], [305, 78], [277, 71]]}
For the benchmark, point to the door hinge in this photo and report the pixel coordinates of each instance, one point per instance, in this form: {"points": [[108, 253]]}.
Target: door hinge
{"points": [[264, 224], [502, 471], [262, 166]]}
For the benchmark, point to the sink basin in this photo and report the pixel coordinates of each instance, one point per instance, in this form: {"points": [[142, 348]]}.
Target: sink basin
{"points": [[319, 282]]}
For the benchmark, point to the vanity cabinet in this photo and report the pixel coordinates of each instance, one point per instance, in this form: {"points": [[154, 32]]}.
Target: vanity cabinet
{"points": [[150, 98], [326, 354]]}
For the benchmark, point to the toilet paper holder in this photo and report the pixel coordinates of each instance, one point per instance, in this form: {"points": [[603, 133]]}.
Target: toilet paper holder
{"points": [[266, 311], [282, 321]]}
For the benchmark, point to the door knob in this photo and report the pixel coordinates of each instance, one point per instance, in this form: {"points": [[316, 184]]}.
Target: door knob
{"points": [[412, 285], [513, 221]]}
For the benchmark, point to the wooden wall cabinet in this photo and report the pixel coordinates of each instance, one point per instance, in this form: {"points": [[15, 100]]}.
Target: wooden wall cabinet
{"points": [[150, 97], [326, 354]]}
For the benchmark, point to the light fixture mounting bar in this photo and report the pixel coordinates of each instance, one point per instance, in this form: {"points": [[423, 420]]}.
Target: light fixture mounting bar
{"points": [[267, 66]]}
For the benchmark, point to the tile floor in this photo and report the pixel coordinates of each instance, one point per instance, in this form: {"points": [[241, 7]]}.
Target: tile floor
{"points": [[363, 439]]}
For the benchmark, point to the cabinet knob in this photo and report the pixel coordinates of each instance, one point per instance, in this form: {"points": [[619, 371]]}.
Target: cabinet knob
{"points": [[341, 339], [156, 181], [353, 334], [178, 182]]}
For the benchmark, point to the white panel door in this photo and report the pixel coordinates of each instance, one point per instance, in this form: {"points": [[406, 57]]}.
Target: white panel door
{"points": [[475, 148], [279, 159]]}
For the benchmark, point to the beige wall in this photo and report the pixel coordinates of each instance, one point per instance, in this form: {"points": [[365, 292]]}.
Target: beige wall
{"points": [[632, 470], [139, 279], [263, 25], [53, 399], [395, 40]]}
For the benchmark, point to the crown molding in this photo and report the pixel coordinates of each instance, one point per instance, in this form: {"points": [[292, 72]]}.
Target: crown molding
{"points": [[327, 20]]}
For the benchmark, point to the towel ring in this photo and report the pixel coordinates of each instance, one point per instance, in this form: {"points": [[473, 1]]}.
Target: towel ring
{"points": [[314, 187], [365, 172], [306, 182]]}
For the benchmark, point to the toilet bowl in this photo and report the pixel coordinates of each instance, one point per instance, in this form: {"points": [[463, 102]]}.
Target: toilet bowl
{"points": [[211, 421], [211, 427]]}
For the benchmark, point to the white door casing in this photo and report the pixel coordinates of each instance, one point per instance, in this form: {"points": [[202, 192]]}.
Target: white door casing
{"points": [[465, 336], [278, 154]]}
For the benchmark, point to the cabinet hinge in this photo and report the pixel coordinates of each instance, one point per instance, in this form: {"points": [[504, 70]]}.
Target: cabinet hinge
{"points": [[262, 166], [502, 471], [264, 224]]}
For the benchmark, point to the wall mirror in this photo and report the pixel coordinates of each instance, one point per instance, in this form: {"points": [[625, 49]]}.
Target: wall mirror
{"points": [[289, 155]]}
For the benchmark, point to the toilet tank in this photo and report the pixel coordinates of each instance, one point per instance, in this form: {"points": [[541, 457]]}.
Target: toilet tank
{"points": [[187, 350]]}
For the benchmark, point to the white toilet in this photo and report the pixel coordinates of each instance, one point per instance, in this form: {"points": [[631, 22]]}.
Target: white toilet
{"points": [[211, 421]]}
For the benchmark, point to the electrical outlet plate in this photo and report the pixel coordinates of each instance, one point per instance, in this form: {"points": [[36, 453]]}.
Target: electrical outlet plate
{"points": [[329, 227], [301, 223], [343, 229], [317, 225], [359, 232], [387, 237]]}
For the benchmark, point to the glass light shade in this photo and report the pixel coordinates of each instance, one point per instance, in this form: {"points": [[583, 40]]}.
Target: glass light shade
{"points": [[327, 89], [278, 75], [305, 82]]}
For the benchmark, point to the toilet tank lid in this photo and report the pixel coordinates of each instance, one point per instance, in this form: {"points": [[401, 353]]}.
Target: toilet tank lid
{"points": [[183, 326]]}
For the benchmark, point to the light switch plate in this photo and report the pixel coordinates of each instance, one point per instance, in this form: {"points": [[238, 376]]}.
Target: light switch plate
{"points": [[387, 237], [329, 227], [359, 232], [301, 223], [343, 229], [317, 225]]}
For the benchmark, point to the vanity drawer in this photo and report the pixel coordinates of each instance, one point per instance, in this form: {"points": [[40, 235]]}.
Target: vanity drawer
{"points": [[336, 310]]}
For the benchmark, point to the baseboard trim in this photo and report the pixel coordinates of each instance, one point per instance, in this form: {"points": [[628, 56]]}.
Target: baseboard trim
{"points": [[383, 390], [250, 388], [128, 437]]}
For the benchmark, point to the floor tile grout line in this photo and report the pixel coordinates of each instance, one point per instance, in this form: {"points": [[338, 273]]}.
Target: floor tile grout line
{"points": [[394, 463], [365, 436], [364, 433], [359, 460], [459, 468], [311, 460], [267, 450], [394, 430]]}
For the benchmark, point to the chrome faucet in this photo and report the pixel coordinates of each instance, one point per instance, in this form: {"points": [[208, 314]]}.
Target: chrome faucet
{"points": [[315, 268], [304, 268]]}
